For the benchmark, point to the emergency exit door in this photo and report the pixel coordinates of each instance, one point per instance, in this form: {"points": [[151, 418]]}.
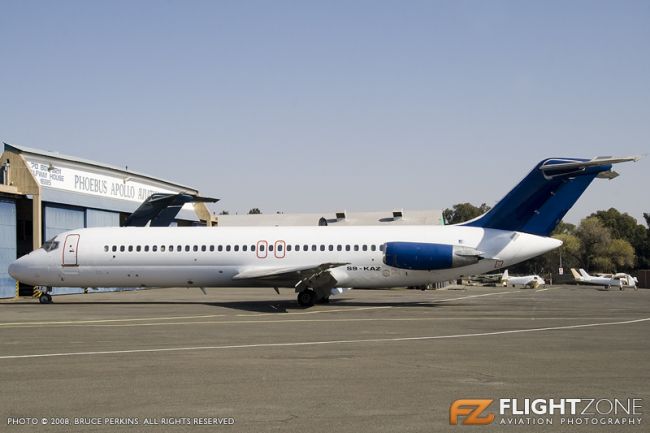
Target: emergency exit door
{"points": [[70, 250]]}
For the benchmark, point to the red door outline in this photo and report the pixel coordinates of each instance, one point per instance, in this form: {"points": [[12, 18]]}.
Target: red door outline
{"points": [[266, 249], [70, 250], [284, 248]]}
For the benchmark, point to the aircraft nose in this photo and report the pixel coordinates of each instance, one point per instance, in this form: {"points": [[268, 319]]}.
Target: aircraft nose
{"points": [[25, 269], [17, 269]]}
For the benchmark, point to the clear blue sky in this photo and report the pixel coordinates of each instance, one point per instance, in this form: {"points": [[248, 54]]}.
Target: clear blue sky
{"points": [[322, 106]]}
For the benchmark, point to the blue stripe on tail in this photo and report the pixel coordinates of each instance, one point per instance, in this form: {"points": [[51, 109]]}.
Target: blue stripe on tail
{"points": [[538, 203]]}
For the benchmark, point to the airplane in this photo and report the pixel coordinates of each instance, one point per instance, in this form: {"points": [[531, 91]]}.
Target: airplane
{"points": [[530, 281], [320, 261], [619, 280]]}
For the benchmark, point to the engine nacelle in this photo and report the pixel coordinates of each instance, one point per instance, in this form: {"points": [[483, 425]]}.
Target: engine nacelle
{"points": [[428, 257]]}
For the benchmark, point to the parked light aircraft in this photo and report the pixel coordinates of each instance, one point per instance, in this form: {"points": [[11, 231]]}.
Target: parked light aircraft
{"points": [[318, 261], [619, 280], [530, 281]]}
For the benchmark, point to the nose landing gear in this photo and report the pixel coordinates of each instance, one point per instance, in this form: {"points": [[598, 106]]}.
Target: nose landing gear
{"points": [[43, 294]]}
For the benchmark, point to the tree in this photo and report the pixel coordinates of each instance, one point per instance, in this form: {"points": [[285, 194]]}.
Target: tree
{"points": [[622, 226], [595, 238], [254, 211], [462, 212], [224, 212]]}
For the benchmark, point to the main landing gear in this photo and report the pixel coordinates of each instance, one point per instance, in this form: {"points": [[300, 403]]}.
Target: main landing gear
{"points": [[308, 297]]}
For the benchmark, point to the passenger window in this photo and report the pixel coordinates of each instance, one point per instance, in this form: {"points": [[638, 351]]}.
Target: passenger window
{"points": [[204, 248], [373, 247], [211, 248], [322, 247], [261, 247], [114, 249], [347, 248], [105, 248], [381, 247], [271, 247], [253, 248], [356, 248], [236, 247], [339, 248], [305, 247], [364, 248], [137, 248], [297, 247], [313, 247], [179, 248], [244, 247], [220, 248], [288, 247], [280, 247], [227, 247], [331, 248], [187, 247], [122, 248], [130, 248], [162, 248], [195, 248], [154, 248], [146, 248]]}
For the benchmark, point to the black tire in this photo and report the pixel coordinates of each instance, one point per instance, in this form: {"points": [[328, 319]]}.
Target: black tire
{"points": [[49, 298], [43, 299], [306, 298]]}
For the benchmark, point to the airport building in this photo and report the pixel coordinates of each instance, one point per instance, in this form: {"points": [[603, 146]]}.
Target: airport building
{"points": [[45, 193], [342, 218]]}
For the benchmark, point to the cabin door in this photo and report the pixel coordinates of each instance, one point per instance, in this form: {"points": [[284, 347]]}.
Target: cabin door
{"points": [[70, 250]]}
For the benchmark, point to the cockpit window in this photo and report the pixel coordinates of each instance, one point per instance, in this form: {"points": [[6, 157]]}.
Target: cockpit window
{"points": [[50, 245]]}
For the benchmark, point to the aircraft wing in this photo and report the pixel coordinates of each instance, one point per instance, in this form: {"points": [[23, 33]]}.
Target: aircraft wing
{"points": [[317, 276]]}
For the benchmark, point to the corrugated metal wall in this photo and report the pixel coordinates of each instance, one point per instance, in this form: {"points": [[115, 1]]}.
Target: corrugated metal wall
{"points": [[100, 218], [7, 247], [58, 220]]}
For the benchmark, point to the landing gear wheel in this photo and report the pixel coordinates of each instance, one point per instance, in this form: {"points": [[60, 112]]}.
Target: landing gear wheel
{"points": [[45, 298], [306, 298]]}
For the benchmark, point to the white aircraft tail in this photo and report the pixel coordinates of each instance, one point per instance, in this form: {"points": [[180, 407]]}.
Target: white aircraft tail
{"points": [[575, 274], [505, 277]]}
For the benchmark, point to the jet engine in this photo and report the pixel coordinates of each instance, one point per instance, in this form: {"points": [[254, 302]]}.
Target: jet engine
{"points": [[428, 257]]}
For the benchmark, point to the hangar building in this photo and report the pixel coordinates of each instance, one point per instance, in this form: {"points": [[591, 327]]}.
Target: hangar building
{"points": [[45, 193]]}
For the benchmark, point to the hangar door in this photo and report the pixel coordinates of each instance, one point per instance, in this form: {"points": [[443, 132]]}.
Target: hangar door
{"points": [[7, 247], [58, 220], [101, 218]]}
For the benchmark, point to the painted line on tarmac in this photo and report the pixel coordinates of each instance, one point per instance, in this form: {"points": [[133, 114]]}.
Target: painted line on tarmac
{"points": [[325, 342], [141, 319], [286, 321], [70, 322]]}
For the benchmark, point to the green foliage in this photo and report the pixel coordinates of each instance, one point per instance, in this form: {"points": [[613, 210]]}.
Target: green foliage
{"points": [[462, 212], [224, 212], [254, 211]]}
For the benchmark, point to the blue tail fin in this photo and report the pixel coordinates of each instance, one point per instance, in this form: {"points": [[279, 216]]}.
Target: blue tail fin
{"points": [[538, 203]]}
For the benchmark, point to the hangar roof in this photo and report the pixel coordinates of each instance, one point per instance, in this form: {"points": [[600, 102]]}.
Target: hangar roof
{"points": [[56, 155]]}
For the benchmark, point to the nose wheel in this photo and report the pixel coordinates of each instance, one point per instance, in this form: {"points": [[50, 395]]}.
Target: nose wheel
{"points": [[45, 297]]}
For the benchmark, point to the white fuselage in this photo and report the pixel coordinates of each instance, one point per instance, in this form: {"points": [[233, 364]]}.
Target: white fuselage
{"points": [[213, 256]]}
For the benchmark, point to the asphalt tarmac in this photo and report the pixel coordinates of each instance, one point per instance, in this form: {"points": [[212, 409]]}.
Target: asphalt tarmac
{"points": [[249, 360]]}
